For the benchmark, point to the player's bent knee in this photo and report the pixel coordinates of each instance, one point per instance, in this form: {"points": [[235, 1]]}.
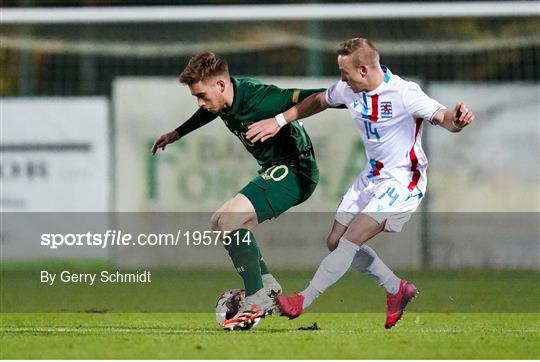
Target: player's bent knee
{"points": [[356, 237], [234, 221], [215, 221], [332, 242], [360, 237]]}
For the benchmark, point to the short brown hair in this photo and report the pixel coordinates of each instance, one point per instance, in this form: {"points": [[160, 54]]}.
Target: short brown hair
{"points": [[202, 67], [367, 53]]}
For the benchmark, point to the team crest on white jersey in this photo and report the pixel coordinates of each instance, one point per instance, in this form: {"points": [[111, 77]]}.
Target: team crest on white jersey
{"points": [[386, 109]]}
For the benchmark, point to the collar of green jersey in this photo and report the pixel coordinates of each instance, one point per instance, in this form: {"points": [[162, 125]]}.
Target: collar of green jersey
{"points": [[237, 98]]}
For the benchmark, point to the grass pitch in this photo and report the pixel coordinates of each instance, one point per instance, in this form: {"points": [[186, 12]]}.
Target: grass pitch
{"points": [[473, 314], [341, 336]]}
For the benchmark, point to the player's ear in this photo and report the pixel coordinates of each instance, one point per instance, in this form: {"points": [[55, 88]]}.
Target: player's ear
{"points": [[221, 85], [362, 70]]}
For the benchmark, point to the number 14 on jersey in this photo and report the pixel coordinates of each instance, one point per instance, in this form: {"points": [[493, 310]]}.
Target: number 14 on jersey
{"points": [[371, 131]]}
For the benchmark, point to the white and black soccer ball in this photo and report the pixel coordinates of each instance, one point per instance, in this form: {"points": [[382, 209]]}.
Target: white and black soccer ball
{"points": [[228, 304]]}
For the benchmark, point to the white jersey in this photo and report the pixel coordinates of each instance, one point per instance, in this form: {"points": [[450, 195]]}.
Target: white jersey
{"points": [[390, 122]]}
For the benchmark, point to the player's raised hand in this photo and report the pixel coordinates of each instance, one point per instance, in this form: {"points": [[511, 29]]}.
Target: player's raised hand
{"points": [[163, 141], [462, 116], [262, 130]]}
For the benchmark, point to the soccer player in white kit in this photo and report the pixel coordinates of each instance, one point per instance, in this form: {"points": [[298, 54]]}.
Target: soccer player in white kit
{"points": [[389, 113]]}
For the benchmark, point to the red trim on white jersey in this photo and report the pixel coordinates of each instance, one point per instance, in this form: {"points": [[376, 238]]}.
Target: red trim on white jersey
{"points": [[414, 159], [374, 108]]}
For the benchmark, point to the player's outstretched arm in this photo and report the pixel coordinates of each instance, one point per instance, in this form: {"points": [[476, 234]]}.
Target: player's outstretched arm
{"points": [[199, 119], [164, 140], [455, 119], [267, 128]]}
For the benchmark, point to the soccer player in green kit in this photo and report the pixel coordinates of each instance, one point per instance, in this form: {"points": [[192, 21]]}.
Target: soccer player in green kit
{"points": [[288, 174]]}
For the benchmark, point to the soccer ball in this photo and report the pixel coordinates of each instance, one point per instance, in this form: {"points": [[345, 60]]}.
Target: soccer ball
{"points": [[228, 304]]}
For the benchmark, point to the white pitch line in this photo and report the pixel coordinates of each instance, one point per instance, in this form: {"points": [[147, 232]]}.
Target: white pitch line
{"points": [[181, 331], [104, 329]]}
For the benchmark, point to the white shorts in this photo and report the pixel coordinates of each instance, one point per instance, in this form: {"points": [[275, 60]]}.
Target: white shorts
{"points": [[387, 201]]}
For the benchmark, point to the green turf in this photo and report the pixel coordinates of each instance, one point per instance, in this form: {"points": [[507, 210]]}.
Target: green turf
{"points": [[197, 290], [443, 322], [341, 336]]}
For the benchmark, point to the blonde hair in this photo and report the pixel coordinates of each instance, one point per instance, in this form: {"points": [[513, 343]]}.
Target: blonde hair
{"points": [[362, 49], [203, 66]]}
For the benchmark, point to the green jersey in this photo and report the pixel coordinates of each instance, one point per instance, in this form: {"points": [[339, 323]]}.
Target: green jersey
{"points": [[254, 101], [289, 172]]}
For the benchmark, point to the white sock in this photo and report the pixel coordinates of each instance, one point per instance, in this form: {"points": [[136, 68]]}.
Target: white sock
{"points": [[268, 280], [310, 294], [331, 269], [368, 262]]}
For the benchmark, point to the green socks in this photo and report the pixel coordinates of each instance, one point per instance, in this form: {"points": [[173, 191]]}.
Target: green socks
{"points": [[264, 268], [247, 259]]}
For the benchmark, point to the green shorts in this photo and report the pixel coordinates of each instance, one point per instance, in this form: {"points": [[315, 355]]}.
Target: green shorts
{"points": [[279, 188]]}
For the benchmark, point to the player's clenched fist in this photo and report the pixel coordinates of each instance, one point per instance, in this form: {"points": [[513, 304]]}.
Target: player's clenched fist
{"points": [[164, 140], [462, 116]]}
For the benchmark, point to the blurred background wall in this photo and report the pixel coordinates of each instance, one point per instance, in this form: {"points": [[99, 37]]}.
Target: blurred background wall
{"points": [[87, 87]]}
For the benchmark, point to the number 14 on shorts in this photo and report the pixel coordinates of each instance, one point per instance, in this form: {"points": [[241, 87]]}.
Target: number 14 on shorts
{"points": [[391, 196]]}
